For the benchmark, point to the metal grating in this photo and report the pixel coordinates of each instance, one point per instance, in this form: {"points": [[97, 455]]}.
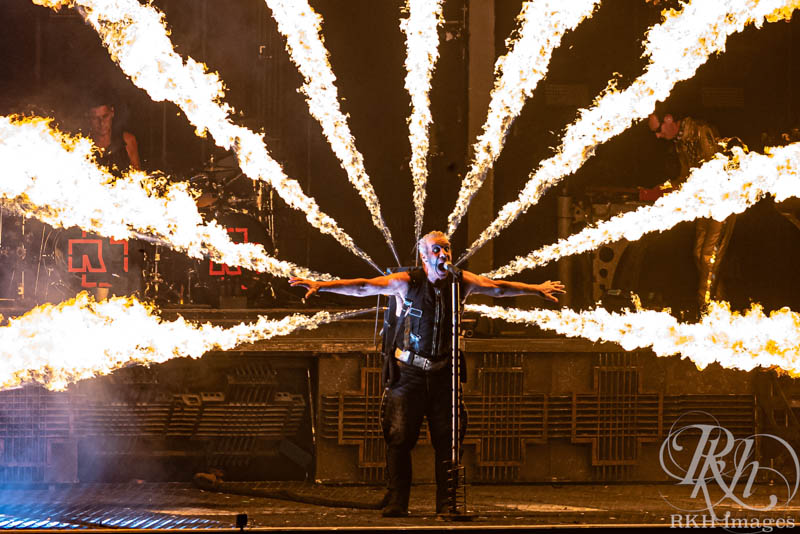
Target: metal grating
{"points": [[16, 517], [610, 421], [252, 382], [353, 418], [500, 442], [189, 416], [31, 418]]}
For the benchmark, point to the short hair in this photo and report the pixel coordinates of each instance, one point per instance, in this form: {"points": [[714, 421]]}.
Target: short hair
{"points": [[434, 233], [102, 96]]}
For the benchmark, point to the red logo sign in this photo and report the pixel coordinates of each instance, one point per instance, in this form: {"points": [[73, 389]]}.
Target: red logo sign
{"points": [[89, 256], [216, 269]]}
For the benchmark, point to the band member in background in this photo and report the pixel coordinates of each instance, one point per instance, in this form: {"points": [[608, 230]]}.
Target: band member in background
{"points": [[695, 143], [118, 150], [421, 352]]}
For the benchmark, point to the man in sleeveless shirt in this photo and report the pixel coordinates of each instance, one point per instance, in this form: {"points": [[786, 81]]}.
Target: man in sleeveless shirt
{"points": [[422, 348], [118, 150]]}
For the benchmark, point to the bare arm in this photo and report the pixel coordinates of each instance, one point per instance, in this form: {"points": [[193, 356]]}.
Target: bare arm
{"points": [[482, 285], [393, 284], [132, 148]]}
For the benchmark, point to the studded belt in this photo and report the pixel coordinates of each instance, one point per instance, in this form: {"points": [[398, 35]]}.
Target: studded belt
{"points": [[414, 359]]}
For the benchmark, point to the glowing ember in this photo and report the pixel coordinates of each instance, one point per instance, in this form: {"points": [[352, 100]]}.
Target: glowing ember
{"points": [[717, 189], [301, 26], [542, 24], [677, 47], [57, 345], [422, 52], [731, 339], [54, 177], [137, 39]]}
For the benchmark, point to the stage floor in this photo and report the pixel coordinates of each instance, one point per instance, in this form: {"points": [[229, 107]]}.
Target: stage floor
{"points": [[184, 506]]}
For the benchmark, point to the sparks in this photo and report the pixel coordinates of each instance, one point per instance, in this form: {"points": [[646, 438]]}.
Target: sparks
{"points": [[138, 41], [542, 25], [731, 339], [717, 189], [422, 52], [301, 26], [39, 347], [677, 48], [54, 177]]}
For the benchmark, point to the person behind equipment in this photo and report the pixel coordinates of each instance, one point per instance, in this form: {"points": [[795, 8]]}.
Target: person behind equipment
{"points": [[695, 143], [420, 387], [118, 150]]}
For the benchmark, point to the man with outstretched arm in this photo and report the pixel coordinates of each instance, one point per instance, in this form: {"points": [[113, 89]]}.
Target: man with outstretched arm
{"points": [[421, 347]]}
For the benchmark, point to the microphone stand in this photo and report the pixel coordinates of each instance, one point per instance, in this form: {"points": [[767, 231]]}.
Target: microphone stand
{"points": [[456, 479]]}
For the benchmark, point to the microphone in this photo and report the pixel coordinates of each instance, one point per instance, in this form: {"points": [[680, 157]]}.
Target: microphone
{"points": [[452, 269]]}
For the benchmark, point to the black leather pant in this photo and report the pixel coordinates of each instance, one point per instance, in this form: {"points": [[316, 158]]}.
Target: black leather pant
{"points": [[414, 395]]}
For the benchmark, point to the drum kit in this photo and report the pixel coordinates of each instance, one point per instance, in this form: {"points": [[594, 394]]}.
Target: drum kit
{"points": [[246, 209], [39, 263], [33, 260]]}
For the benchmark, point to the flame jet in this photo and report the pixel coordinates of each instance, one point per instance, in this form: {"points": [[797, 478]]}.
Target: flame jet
{"points": [[731, 339], [54, 177], [677, 48], [422, 52], [301, 26], [40, 347], [138, 41], [542, 25], [717, 189]]}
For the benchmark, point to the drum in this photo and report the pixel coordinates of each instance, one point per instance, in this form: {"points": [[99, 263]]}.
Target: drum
{"points": [[207, 283], [73, 260]]}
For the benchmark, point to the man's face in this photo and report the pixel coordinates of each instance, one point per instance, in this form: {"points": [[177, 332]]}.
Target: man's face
{"points": [[435, 254], [100, 119], [664, 129]]}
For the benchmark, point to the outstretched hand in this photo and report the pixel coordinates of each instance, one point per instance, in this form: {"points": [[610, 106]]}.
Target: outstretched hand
{"points": [[312, 285], [549, 289]]}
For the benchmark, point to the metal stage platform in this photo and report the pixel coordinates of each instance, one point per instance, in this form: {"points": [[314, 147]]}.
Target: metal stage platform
{"points": [[183, 506], [551, 422]]}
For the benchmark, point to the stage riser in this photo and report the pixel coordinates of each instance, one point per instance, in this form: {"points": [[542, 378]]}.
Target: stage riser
{"points": [[540, 410], [546, 416]]}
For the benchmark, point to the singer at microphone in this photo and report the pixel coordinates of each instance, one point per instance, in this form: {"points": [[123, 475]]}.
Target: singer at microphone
{"points": [[417, 350], [451, 268]]}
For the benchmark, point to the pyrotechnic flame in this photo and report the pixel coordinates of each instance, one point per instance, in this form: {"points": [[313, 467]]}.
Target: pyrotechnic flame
{"points": [[731, 339], [717, 189], [301, 26], [422, 52], [137, 39], [54, 177], [677, 47], [57, 345], [542, 24]]}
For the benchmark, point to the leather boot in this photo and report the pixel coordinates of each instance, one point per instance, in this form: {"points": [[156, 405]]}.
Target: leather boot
{"points": [[398, 467]]}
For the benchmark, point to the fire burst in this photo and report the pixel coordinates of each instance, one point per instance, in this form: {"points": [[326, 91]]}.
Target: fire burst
{"points": [[54, 176], [676, 47], [717, 189], [301, 26], [734, 340], [422, 41], [39, 347], [542, 25], [137, 39]]}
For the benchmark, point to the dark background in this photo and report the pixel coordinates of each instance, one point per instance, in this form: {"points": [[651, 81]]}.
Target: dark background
{"points": [[49, 62]]}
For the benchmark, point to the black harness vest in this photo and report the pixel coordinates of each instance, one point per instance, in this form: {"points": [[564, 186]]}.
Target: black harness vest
{"points": [[115, 156], [425, 322]]}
